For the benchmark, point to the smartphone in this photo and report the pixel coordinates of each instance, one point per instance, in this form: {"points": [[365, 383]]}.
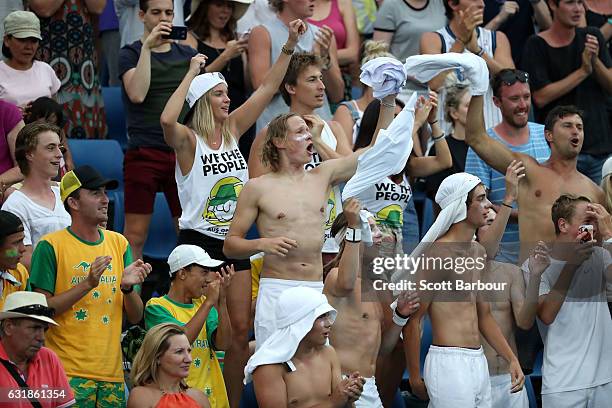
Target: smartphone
{"points": [[245, 35], [177, 33], [586, 228]]}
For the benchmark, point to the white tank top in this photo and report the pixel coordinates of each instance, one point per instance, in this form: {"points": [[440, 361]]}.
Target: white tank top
{"points": [[334, 203], [209, 192], [387, 201], [487, 41]]}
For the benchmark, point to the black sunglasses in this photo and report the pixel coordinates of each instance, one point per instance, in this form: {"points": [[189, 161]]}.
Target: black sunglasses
{"points": [[510, 77]]}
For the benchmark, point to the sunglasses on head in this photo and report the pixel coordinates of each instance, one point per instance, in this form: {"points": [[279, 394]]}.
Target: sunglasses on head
{"points": [[510, 77]]}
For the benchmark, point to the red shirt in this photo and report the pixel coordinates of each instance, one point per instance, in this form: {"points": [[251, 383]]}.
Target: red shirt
{"points": [[46, 377]]}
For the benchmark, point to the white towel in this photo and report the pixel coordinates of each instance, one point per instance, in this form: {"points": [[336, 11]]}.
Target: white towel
{"points": [[424, 67], [388, 156], [385, 75], [366, 231], [296, 311], [451, 197]]}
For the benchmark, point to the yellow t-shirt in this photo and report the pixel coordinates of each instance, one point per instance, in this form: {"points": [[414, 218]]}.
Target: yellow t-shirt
{"points": [[18, 282], [87, 339], [205, 373]]}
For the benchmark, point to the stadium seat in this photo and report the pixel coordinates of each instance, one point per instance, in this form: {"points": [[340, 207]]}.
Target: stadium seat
{"points": [[162, 233], [105, 156], [115, 115]]}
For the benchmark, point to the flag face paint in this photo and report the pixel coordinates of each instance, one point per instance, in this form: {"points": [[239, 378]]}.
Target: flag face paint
{"points": [[11, 253], [299, 138]]}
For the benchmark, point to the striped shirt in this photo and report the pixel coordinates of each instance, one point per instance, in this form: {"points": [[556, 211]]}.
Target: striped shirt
{"points": [[495, 182]]}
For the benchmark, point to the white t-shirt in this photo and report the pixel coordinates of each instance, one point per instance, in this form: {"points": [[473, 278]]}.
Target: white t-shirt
{"points": [[209, 192], [21, 87], [578, 344], [37, 220]]}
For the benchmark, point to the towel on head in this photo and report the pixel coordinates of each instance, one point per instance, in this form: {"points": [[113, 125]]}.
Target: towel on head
{"points": [[424, 67], [388, 156], [296, 311], [385, 75]]}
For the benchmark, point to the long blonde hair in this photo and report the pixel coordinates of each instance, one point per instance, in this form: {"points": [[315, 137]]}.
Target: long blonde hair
{"points": [[203, 122], [155, 344]]}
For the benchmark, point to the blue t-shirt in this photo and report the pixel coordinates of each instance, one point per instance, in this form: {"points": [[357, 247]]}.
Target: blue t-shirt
{"points": [[495, 183]]}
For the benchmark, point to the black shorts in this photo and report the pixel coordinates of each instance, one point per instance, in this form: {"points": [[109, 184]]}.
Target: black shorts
{"points": [[213, 246]]}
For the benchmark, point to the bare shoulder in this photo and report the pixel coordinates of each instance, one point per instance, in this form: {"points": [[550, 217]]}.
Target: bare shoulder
{"points": [[143, 397], [199, 397], [268, 371], [430, 43]]}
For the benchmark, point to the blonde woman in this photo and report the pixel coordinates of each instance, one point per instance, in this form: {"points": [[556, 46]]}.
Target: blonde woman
{"points": [[210, 173], [160, 369]]}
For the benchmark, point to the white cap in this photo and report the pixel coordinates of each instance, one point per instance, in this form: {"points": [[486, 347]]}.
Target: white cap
{"points": [[185, 255], [607, 168], [202, 84]]}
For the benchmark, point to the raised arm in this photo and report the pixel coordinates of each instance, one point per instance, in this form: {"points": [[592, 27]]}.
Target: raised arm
{"points": [[176, 134], [491, 151], [259, 55], [136, 81], [342, 282], [407, 305], [316, 124], [245, 116], [491, 237], [426, 166]]}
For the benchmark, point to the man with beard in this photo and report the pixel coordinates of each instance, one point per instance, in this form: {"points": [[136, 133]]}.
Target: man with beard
{"points": [[512, 96]]}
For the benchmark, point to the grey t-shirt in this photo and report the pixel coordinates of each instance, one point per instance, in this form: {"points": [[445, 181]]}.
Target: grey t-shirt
{"points": [[408, 23]]}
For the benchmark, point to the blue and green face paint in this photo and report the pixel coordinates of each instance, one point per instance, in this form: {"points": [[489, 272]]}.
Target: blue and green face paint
{"points": [[11, 253]]}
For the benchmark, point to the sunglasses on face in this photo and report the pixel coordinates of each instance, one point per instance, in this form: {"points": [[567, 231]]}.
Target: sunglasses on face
{"points": [[510, 77]]}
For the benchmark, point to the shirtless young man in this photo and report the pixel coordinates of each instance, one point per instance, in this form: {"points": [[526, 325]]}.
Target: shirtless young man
{"points": [[304, 91], [544, 182], [515, 306], [288, 206], [359, 319], [456, 371], [294, 366]]}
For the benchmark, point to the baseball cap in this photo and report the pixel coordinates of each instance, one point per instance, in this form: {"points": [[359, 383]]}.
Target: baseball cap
{"points": [[607, 168], [185, 255], [22, 24], [202, 84], [84, 177], [9, 223]]}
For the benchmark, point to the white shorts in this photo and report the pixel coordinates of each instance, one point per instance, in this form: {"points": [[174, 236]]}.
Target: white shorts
{"points": [[265, 308], [500, 392], [369, 397], [594, 397], [457, 377]]}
